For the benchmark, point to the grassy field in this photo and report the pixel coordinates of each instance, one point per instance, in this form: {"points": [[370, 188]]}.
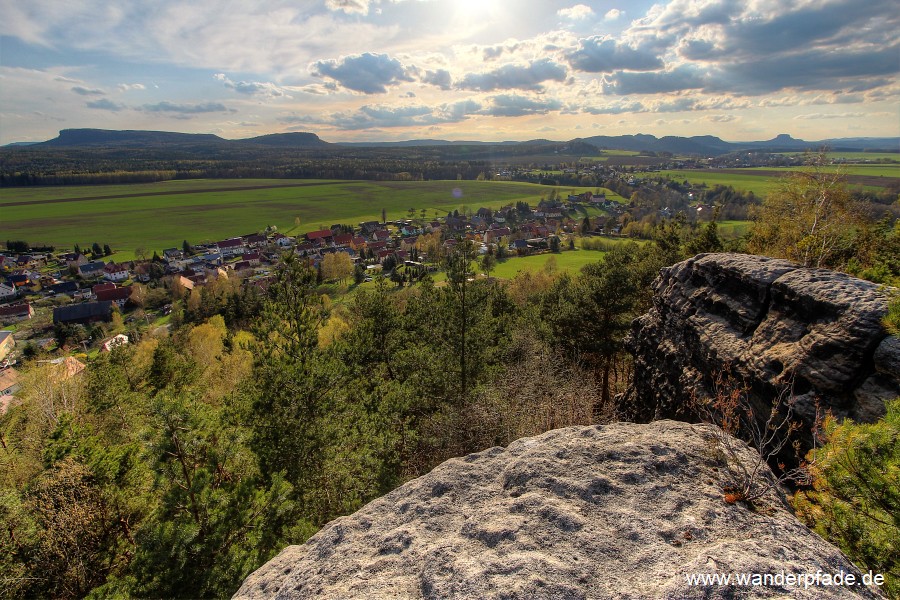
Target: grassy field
{"points": [[161, 215], [570, 260], [873, 170], [757, 184], [762, 180], [733, 229], [856, 156]]}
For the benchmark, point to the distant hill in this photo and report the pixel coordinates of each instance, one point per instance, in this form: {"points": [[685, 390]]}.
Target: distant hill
{"points": [[712, 145], [109, 137], [702, 145], [287, 140], [416, 143]]}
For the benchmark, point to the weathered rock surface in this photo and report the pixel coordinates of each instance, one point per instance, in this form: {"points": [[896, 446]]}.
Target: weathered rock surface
{"points": [[615, 511], [775, 325]]}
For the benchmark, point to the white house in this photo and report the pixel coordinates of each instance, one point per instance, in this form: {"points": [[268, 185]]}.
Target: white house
{"points": [[116, 272]]}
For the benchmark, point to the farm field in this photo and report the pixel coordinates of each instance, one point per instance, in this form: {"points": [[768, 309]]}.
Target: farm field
{"points": [[569, 260], [757, 183], [873, 170], [856, 156], [762, 180], [162, 215]]}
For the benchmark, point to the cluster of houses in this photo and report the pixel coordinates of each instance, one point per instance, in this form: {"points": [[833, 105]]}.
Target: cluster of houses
{"points": [[95, 286]]}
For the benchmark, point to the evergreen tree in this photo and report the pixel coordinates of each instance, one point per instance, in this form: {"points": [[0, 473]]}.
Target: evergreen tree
{"points": [[288, 391], [855, 502]]}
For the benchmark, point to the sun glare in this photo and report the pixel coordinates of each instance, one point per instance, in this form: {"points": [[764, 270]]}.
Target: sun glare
{"points": [[475, 10]]}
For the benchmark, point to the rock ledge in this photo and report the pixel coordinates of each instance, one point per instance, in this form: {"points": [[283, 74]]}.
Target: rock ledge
{"points": [[615, 511]]}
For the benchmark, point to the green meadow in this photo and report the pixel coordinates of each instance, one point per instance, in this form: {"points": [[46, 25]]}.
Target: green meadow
{"points": [[763, 180], [161, 215], [758, 184], [856, 156], [871, 170], [570, 260]]}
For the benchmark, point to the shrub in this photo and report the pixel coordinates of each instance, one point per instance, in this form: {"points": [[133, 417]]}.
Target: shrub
{"points": [[855, 499], [773, 439]]}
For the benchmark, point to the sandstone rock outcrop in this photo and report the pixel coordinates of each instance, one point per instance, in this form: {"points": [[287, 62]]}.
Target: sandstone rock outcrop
{"points": [[615, 511], [775, 325]]}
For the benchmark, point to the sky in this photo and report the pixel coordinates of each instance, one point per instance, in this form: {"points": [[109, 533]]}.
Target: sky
{"points": [[492, 70]]}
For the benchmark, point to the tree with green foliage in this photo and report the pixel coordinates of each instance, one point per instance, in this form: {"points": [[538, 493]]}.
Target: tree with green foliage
{"points": [[287, 393], [809, 218], [359, 273], [96, 249], [214, 519], [458, 264], [706, 239], [488, 262], [107, 251], [590, 314], [855, 500]]}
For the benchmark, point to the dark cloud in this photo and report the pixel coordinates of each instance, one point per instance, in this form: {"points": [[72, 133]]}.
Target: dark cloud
{"points": [[809, 70], [598, 54], [367, 73], [625, 83], [493, 52], [83, 91], [810, 25], [515, 77], [371, 117], [440, 78], [734, 48], [186, 109], [105, 104], [509, 105]]}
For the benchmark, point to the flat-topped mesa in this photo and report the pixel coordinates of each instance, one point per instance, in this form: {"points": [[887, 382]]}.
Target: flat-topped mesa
{"points": [[773, 324], [615, 511]]}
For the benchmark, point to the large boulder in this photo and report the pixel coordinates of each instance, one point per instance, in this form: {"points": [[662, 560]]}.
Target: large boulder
{"points": [[781, 329], [614, 511]]}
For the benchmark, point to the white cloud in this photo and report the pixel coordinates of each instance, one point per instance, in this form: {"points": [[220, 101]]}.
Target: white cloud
{"points": [[722, 118], [264, 89], [349, 6], [844, 115], [613, 14], [578, 12]]}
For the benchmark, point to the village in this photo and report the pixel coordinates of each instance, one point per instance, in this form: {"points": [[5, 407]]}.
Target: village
{"points": [[80, 288]]}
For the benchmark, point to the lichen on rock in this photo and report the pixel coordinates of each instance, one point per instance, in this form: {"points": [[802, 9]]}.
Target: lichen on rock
{"points": [[614, 511]]}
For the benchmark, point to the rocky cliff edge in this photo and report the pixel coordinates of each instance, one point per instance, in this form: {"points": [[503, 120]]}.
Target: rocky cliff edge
{"points": [[615, 511], [774, 325]]}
